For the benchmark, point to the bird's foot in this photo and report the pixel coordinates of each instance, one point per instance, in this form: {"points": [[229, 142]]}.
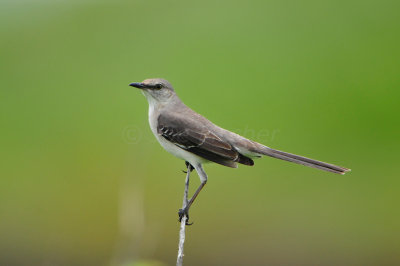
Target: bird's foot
{"points": [[182, 213], [188, 166]]}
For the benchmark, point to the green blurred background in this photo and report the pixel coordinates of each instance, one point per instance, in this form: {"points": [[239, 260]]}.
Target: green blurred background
{"points": [[83, 181]]}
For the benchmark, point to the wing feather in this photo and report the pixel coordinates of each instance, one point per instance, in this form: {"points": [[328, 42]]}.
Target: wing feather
{"points": [[199, 140]]}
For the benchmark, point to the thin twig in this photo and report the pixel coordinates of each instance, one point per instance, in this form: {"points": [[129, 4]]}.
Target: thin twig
{"points": [[179, 261]]}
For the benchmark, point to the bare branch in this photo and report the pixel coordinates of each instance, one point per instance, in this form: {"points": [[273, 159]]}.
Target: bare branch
{"points": [[179, 261]]}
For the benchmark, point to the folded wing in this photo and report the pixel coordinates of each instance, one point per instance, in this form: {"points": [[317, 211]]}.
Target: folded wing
{"points": [[198, 139]]}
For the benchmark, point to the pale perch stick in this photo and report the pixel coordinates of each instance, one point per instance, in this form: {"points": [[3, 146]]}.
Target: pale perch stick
{"points": [[179, 261]]}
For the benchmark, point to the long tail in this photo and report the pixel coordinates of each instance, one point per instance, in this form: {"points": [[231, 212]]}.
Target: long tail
{"points": [[302, 160]]}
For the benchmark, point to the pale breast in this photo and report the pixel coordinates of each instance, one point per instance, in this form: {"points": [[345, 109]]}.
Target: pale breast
{"points": [[168, 146]]}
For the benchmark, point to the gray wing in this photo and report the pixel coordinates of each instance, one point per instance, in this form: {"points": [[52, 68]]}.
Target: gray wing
{"points": [[194, 137]]}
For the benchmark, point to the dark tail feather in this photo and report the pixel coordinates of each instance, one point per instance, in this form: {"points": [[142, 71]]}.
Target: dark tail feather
{"points": [[303, 160]]}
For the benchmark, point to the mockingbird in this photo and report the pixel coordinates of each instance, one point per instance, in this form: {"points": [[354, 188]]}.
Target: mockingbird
{"points": [[191, 137]]}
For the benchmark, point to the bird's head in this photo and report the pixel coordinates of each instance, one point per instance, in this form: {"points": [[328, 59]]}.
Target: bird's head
{"points": [[159, 90]]}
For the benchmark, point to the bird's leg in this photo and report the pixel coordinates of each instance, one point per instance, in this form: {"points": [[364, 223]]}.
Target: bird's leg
{"points": [[203, 178], [196, 194]]}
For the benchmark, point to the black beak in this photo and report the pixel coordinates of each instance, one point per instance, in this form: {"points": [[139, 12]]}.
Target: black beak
{"points": [[138, 85]]}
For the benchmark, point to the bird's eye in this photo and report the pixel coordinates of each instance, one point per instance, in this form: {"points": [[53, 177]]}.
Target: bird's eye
{"points": [[158, 86]]}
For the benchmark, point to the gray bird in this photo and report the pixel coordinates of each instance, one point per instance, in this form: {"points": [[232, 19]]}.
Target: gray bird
{"points": [[194, 139]]}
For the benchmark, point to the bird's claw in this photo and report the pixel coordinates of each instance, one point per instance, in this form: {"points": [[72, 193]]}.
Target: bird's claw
{"points": [[188, 166], [182, 213]]}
